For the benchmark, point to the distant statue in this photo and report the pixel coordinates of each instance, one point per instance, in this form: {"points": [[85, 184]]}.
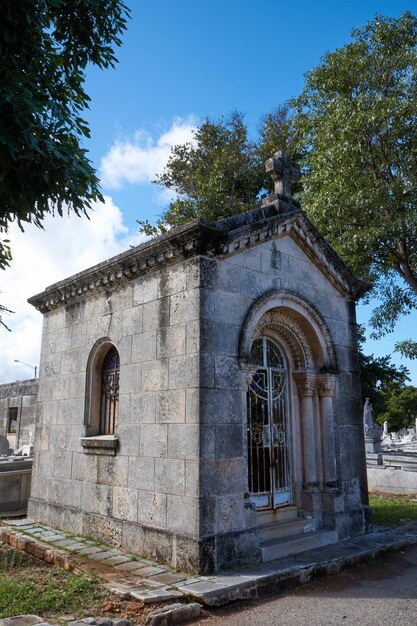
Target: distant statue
{"points": [[385, 433], [368, 420], [372, 431]]}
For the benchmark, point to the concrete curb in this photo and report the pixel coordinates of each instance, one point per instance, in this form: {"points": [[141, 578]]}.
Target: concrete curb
{"points": [[299, 570], [174, 614]]}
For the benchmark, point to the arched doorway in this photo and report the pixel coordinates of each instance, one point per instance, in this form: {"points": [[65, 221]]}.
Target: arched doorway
{"points": [[288, 357], [268, 426]]}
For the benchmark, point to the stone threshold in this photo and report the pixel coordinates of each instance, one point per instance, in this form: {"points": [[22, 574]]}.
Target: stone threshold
{"points": [[149, 582]]}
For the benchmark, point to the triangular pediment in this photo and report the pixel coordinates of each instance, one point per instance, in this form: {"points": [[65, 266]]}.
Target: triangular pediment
{"points": [[307, 237]]}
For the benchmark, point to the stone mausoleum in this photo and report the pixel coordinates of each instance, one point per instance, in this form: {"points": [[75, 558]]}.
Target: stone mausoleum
{"points": [[199, 396], [18, 402]]}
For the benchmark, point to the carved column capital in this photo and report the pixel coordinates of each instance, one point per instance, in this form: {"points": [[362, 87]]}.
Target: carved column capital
{"points": [[306, 384], [326, 384]]}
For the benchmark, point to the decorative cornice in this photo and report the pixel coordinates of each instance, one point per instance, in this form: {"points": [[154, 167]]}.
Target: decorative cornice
{"points": [[202, 237], [192, 239], [20, 388]]}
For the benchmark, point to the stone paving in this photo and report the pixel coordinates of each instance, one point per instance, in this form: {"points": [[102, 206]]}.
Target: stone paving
{"points": [[150, 582], [139, 578]]}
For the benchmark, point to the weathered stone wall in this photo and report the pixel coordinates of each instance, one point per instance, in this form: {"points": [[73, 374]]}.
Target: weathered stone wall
{"points": [[176, 488], [146, 497], [392, 472], [231, 286], [23, 396], [15, 478]]}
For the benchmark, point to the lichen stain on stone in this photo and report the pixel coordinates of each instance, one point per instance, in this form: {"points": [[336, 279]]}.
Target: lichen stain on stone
{"points": [[275, 257], [74, 313], [163, 310], [109, 304]]}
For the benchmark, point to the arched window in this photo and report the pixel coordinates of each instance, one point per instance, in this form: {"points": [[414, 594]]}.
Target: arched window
{"points": [[109, 403], [102, 389]]}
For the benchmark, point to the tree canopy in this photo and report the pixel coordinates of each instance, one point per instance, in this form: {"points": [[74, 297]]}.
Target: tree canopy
{"points": [[401, 409], [45, 47], [357, 116], [382, 380], [216, 175], [385, 384], [353, 132], [221, 172]]}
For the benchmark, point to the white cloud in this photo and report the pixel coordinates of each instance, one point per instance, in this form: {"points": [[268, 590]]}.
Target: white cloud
{"points": [[141, 159], [43, 257], [70, 244]]}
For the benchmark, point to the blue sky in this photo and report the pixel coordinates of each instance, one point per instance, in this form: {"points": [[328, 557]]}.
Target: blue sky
{"points": [[180, 62]]}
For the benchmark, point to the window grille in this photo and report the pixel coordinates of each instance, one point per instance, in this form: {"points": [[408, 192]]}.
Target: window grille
{"points": [[109, 404], [268, 428]]}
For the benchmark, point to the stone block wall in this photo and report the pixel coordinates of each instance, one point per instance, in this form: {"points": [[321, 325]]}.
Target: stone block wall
{"points": [[176, 487], [230, 287], [21, 395], [146, 498], [392, 472]]}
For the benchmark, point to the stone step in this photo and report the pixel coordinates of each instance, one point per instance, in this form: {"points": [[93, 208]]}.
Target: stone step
{"points": [[284, 529], [285, 546], [273, 516]]}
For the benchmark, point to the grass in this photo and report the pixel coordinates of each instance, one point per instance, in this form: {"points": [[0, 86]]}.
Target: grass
{"points": [[44, 590], [390, 510]]}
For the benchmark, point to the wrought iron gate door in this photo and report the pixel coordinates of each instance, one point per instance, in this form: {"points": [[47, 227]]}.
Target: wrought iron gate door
{"points": [[268, 429]]}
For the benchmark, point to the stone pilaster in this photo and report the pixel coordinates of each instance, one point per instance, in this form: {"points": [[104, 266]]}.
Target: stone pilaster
{"points": [[306, 388], [325, 389]]}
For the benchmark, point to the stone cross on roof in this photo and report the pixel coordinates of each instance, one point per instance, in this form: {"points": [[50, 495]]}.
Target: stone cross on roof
{"points": [[282, 172]]}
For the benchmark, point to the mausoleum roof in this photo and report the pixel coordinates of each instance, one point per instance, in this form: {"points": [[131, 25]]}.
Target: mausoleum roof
{"points": [[216, 239]]}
